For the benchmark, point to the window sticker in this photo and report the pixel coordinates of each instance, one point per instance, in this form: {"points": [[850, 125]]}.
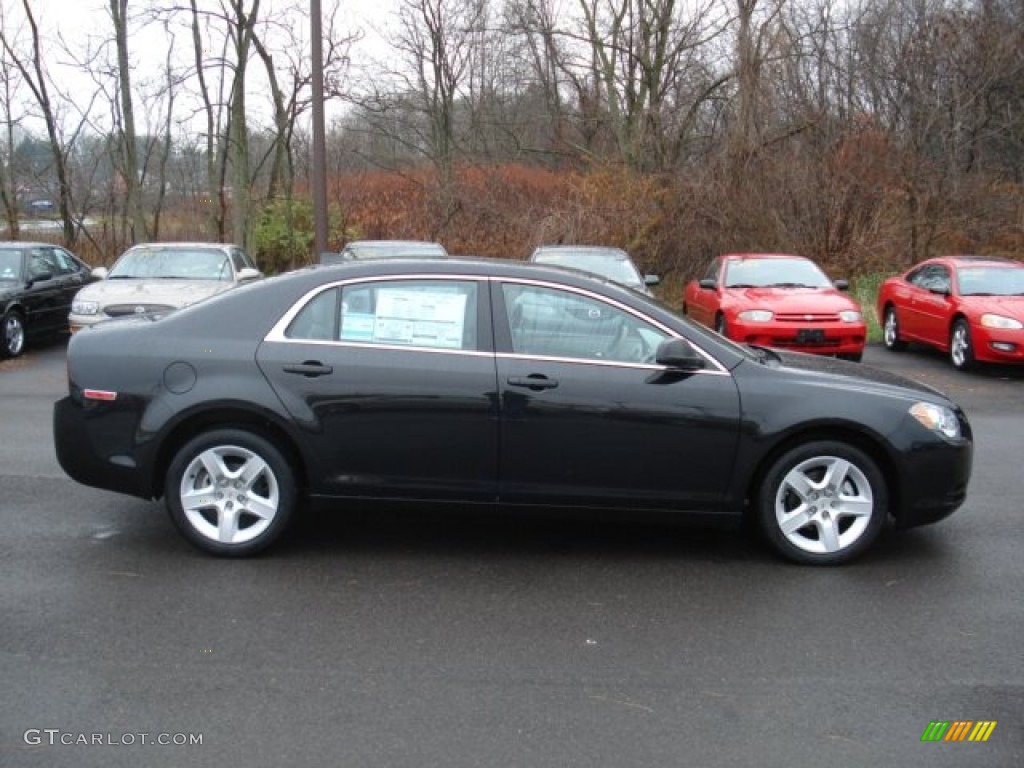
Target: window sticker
{"points": [[411, 317]]}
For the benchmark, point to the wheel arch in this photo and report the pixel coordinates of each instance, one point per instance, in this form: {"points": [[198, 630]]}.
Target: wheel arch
{"points": [[226, 417], [844, 433]]}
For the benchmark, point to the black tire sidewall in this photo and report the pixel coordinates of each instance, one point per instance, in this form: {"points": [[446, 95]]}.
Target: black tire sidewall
{"points": [[279, 465], [781, 467]]}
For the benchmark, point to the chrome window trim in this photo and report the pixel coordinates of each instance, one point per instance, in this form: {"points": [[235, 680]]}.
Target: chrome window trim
{"points": [[720, 370], [605, 363]]}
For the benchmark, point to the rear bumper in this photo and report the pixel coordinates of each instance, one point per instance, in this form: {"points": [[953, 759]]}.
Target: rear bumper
{"points": [[88, 439]]}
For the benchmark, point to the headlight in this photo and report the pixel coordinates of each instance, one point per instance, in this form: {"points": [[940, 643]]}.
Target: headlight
{"points": [[850, 316], [85, 307], [756, 316], [1003, 323], [937, 418]]}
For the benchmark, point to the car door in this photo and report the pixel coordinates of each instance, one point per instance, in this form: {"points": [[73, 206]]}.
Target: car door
{"points": [[926, 316], [70, 277], [392, 384], [705, 301], [588, 418], [42, 298]]}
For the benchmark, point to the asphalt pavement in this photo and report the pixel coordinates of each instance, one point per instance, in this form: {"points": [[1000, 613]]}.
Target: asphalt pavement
{"points": [[412, 637]]}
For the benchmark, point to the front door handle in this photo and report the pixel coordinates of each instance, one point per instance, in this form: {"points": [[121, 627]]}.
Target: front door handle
{"points": [[535, 381], [310, 369]]}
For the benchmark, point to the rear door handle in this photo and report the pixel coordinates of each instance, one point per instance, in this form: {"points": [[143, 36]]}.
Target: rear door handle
{"points": [[535, 381], [310, 369]]}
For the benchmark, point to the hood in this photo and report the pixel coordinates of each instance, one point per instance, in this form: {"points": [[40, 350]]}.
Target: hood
{"points": [[857, 375], [794, 300], [1008, 306], [173, 293]]}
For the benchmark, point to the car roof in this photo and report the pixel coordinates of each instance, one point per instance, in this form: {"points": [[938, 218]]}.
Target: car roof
{"points": [[754, 256], [12, 244], [969, 260], [183, 245], [594, 250]]}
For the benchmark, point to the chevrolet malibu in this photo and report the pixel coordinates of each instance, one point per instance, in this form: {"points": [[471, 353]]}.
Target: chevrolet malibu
{"points": [[494, 382]]}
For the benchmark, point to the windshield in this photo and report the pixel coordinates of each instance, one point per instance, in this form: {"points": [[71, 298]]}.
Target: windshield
{"points": [[172, 263], [991, 281], [783, 273], [10, 264], [611, 266]]}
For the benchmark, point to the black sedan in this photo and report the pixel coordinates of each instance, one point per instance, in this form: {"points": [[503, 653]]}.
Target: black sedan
{"points": [[498, 383], [37, 283]]}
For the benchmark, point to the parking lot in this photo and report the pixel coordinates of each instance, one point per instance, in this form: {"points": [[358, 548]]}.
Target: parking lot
{"points": [[413, 637]]}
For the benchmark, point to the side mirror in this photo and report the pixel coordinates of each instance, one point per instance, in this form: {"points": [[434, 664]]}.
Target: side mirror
{"points": [[841, 285], [248, 273], [652, 279], [100, 273], [680, 355], [708, 284]]}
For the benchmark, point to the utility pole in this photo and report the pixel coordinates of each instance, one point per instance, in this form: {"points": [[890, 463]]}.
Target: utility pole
{"points": [[319, 160]]}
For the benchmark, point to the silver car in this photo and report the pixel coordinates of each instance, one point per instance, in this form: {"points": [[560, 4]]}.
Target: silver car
{"points": [[610, 263], [160, 277]]}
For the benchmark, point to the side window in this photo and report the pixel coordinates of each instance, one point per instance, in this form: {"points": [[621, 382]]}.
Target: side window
{"points": [[931, 277], [65, 264], [40, 262], [712, 273], [241, 260], [548, 322], [316, 321], [435, 314]]}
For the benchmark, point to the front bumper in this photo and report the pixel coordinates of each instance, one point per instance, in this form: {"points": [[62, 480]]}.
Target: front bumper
{"points": [[993, 345], [816, 338], [933, 478]]}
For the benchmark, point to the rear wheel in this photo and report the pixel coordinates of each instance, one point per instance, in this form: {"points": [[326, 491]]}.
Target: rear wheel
{"points": [[961, 349], [891, 330], [230, 492], [13, 342], [822, 503]]}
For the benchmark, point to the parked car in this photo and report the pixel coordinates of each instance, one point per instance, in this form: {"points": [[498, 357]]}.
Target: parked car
{"points": [[971, 307], [37, 284], [161, 277], [610, 263], [492, 381], [777, 300], [386, 249]]}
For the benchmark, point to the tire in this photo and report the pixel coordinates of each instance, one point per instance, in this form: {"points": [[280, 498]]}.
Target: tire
{"points": [[721, 326], [891, 331], [839, 493], [12, 335], [961, 348], [230, 492]]}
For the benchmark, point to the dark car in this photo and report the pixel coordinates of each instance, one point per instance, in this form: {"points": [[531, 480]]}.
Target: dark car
{"points": [[610, 263], [37, 283], [494, 382], [971, 307]]}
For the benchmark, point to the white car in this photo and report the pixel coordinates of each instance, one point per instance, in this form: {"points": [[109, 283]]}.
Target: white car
{"points": [[160, 277], [610, 263]]}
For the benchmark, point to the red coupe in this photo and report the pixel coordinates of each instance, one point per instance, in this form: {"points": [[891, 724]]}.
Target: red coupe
{"points": [[777, 300], [969, 306]]}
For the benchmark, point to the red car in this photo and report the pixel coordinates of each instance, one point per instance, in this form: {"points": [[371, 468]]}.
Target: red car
{"points": [[969, 306], [777, 300]]}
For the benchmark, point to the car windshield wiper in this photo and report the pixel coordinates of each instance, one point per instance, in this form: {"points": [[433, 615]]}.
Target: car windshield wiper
{"points": [[792, 285], [742, 285]]}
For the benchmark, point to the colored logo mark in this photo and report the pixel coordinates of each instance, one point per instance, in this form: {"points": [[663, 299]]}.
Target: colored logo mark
{"points": [[958, 730]]}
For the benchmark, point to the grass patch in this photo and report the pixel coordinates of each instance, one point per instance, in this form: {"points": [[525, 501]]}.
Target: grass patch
{"points": [[864, 290]]}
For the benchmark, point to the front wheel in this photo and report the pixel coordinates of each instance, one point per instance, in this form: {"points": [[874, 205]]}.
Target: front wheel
{"points": [[822, 503], [961, 349], [891, 331], [13, 341], [230, 492]]}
